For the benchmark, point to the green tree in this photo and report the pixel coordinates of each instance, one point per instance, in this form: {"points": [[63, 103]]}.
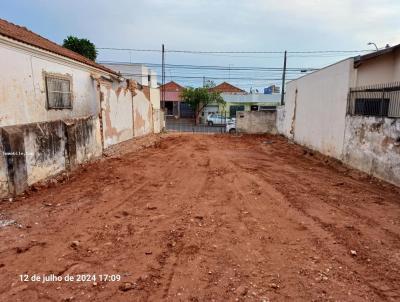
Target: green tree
{"points": [[81, 46], [198, 98]]}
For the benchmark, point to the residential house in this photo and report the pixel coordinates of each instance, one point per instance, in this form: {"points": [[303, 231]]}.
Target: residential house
{"points": [[237, 99], [350, 110], [59, 109], [173, 104]]}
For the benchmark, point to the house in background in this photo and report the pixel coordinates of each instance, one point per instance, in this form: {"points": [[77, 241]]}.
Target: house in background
{"points": [[59, 109], [227, 88], [139, 72], [250, 102], [272, 89], [237, 99], [173, 104]]}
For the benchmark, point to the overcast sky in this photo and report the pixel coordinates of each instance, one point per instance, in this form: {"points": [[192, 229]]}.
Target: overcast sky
{"points": [[220, 25]]}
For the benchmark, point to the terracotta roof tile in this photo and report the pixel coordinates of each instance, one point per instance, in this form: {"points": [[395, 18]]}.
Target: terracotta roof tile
{"points": [[24, 35], [226, 87], [172, 86]]}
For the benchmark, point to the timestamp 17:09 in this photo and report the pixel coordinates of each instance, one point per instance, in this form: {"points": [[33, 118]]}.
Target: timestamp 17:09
{"points": [[99, 277]]}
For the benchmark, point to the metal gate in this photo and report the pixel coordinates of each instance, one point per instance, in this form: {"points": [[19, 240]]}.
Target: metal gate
{"points": [[173, 124]]}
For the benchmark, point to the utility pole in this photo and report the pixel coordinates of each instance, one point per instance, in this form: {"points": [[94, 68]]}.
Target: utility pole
{"points": [[283, 80], [204, 81], [163, 76]]}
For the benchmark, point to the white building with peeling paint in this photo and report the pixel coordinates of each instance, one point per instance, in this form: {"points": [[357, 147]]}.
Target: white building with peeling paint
{"points": [[349, 110], [59, 109]]}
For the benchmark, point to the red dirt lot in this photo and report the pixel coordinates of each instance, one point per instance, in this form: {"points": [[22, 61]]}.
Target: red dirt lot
{"points": [[205, 218]]}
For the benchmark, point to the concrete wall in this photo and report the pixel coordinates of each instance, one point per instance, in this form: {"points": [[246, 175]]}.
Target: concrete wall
{"points": [[280, 119], [314, 115], [372, 145], [38, 142], [155, 98], [44, 147], [316, 108], [3, 169], [158, 120], [36, 151], [117, 117], [143, 114], [256, 121], [85, 132]]}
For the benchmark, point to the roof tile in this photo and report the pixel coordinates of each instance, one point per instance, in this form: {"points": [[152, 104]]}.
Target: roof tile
{"points": [[24, 35]]}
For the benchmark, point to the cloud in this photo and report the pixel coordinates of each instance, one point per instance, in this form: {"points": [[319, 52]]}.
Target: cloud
{"points": [[215, 25]]}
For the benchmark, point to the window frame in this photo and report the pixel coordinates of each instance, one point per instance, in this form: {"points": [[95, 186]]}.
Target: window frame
{"points": [[57, 76]]}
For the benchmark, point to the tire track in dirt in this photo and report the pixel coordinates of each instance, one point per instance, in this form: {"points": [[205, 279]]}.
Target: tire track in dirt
{"points": [[210, 217]]}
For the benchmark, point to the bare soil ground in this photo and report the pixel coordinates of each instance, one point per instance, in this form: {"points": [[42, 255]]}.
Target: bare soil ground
{"points": [[206, 218]]}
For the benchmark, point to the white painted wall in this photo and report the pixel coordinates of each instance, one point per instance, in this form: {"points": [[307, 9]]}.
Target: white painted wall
{"points": [[22, 86], [143, 115], [314, 115], [316, 108], [280, 119], [138, 72], [116, 113], [155, 98], [125, 111]]}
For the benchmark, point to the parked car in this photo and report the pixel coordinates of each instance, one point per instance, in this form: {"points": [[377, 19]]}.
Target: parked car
{"points": [[217, 119], [231, 127]]}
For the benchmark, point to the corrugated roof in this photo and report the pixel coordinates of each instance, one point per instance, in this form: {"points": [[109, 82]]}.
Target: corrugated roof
{"points": [[24, 35]]}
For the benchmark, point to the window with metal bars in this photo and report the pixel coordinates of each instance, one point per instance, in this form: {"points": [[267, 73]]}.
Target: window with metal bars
{"points": [[375, 100], [371, 107], [58, 92]]}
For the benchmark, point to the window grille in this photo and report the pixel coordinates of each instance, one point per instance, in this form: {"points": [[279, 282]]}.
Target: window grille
{"points": [[375, 100]]}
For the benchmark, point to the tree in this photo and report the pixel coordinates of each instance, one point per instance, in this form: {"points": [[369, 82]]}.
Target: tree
{"points": [[81, 46], [198, 98]]}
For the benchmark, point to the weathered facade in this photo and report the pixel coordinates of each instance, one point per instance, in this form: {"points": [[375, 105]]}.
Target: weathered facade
{"points": [[351, 111], [59, 109], [372, 144]]}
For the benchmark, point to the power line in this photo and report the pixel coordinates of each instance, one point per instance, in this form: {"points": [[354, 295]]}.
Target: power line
{"points": [[129, 49], [264, 52], [212, 67], [208, 77], [235, 52]]}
